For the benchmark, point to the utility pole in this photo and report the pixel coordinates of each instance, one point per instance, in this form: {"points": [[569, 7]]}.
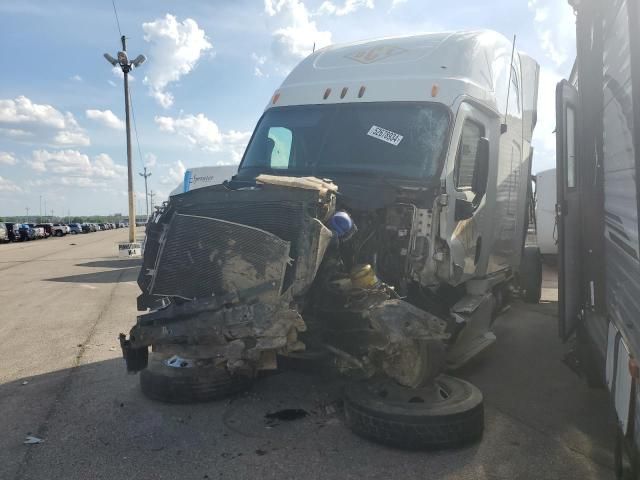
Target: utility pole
{"points": [[45, 208], [40, 220], [151, 195], [125, 65], [146, 194], [52, 215], [27, 221]]}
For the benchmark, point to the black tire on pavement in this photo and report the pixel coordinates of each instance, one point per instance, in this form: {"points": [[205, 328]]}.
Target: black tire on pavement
{"points": [[448, 414], [199, 383], [531, 274]]}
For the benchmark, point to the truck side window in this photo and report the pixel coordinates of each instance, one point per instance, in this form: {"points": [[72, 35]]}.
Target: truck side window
{"points": [[467, 151], [279, 141]]}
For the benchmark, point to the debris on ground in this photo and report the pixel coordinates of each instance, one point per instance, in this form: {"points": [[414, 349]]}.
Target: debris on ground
{"points": [[287, 415], [31, 440], [25, 382]]}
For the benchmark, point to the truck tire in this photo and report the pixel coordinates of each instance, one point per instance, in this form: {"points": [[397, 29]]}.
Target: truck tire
{"points": [[450, 413], [198, 383], [531, 274]]}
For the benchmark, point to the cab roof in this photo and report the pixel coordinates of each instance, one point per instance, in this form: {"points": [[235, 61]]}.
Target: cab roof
{"points": [[429, 67]]}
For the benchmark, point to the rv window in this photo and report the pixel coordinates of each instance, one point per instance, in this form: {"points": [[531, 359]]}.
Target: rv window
{"points": [[571, 148], [467, 152]]}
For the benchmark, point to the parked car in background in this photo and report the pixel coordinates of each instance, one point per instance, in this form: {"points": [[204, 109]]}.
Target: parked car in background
{"points": [[4, 234], [46, 227], [86, 228], [58, 229], [40, 232], [75, 228], [26, 232], [12, 231]]}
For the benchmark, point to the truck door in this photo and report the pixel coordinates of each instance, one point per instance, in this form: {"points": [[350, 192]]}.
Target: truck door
{"points": [[567, 208]]}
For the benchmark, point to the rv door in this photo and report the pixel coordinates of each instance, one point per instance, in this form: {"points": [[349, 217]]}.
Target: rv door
{"points": [[567, 208]]}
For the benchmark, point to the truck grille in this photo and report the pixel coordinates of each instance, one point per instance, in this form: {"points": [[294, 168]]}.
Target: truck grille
{"points": [[203, 256]]}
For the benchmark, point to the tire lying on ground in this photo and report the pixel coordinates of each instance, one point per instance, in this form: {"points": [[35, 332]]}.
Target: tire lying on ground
{"points": [[176, 380], [449, 413], [531, 274]]}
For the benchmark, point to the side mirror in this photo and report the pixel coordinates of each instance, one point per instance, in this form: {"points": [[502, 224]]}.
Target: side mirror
{"points": [[481, 170], [464, 209]]}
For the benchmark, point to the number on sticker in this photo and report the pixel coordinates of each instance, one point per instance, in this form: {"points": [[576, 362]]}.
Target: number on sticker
{"points": [[385, 135]]}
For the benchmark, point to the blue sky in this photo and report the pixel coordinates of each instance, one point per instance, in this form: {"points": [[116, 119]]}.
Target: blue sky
{"points": [[212, 66]]}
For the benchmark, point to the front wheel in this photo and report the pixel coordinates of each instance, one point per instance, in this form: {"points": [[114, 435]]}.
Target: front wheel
{"points": [[448, 413], [178, 380]]}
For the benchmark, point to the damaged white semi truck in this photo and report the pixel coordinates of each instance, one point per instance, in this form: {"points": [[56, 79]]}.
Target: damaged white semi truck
{"points": [[377, 221]]}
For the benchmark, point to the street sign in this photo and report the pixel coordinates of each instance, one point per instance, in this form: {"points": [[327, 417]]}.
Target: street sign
{"points": [[129, 249]]}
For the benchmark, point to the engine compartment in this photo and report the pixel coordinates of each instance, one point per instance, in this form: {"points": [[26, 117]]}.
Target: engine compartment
{"points": [[289, 264]]}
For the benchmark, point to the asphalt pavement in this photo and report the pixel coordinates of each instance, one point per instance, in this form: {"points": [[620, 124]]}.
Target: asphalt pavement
{"points": [[63, 302]]}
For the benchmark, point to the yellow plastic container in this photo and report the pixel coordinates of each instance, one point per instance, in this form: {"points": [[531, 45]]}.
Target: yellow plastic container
{"points": [[363, 276]]}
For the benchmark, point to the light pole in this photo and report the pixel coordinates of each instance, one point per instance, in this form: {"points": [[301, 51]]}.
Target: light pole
{"points": [[146, 195], [27, 221], [125, 64], [152, 195], [41, 209]]}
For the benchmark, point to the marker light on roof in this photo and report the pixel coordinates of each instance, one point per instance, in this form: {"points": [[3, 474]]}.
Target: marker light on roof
{"points": [[361, 91], [344, 92], [276, 97], [434, 90], [327, 92]]}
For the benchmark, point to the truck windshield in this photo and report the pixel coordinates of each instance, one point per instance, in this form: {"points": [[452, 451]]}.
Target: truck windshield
{"points": [[399, 139]]}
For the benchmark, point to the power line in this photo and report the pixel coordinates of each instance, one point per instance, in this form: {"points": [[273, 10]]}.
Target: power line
{"points": [[115, 11]]}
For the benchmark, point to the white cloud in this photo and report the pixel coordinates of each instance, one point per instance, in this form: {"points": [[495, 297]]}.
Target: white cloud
{"points": [[76, 78], [15, 133], [177, 46], [7, 158], [295, 37], [397, 3], [7, 185], [176, 172], [70, 164], [204, 133], [259, 60], [150, 160], [112, 83], [106, 117], [554, 24], [349, 6], [20, 118]]}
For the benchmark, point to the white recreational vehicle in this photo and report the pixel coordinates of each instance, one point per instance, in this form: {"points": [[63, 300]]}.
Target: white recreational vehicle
{"points": [[545, 209], [378, 216], [598, 160], [200, 177]]}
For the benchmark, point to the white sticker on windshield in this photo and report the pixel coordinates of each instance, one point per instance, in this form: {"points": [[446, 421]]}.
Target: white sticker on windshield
{"points": [[385, 135]]}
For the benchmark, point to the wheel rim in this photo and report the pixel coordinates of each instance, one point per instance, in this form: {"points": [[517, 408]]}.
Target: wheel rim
{"points": [[391, 393]]}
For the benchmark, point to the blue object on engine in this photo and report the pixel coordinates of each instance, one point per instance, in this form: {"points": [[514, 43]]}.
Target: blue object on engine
{"points": [[342, 225]]}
